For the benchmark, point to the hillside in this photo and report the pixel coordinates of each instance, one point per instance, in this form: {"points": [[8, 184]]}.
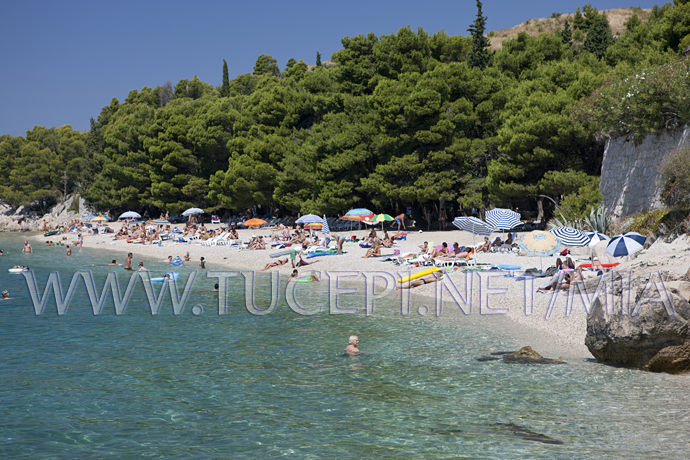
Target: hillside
{"points": [[617, 19]]}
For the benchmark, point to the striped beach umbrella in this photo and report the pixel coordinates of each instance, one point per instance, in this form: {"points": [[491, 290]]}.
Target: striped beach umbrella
{"points": [[130, 215], [595, 238], [309, 219], [357, 214], [569, 236], [625, 244], [473, 225], [503, 219], [325, 230]]}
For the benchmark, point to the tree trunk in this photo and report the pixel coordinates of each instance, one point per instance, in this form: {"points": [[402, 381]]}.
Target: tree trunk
{"points": [[540, 209]]}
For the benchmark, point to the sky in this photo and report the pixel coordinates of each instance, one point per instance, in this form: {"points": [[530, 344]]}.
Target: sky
{"points": [[62, 61]]}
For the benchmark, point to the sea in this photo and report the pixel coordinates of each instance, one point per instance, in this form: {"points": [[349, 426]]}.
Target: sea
{"points": [[199, 384]]}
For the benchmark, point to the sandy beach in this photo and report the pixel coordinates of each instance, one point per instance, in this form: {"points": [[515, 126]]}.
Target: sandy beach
{"points": [[540, 319]]}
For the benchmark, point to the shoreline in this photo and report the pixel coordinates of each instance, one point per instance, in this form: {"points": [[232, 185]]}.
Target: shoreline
{"points": [[558, 335], [492, 294]]}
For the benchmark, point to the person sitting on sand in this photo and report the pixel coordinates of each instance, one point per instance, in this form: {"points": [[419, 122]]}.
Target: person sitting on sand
{"points": [[497, 241], [5, 295], [301, 262], [373, 251], [569, 263], [351, 348], [387, 242], [509, 240], [114, 262], [277, 263], [435, 277]]}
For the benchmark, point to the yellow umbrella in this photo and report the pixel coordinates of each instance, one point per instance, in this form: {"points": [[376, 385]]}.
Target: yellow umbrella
{"points": [[539, 243], [99, 219]]}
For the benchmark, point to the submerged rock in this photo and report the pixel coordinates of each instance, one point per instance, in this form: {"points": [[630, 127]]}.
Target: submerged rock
{"points": [[488, 358], [649, 331], [526, 355], [525, 433]]}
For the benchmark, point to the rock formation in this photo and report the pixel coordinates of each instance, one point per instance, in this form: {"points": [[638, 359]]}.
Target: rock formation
{"points": [[645, 325]]}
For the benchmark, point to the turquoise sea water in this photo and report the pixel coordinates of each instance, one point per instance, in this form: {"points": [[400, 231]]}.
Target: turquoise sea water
{"points": [[245, 386]]}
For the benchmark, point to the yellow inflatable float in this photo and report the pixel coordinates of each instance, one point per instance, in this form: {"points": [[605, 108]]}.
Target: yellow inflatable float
{"points": [[414, 276]]}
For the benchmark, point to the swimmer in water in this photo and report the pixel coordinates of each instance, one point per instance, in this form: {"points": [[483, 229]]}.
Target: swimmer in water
{"points": [[114, 262], [351, 348], [5, 295]]}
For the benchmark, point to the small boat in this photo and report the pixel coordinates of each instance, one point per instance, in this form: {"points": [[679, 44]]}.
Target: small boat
{"points": [[17, 270], [54, 232]]}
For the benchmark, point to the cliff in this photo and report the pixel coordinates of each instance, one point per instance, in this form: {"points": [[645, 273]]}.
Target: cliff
{"points": [[630, 179]]}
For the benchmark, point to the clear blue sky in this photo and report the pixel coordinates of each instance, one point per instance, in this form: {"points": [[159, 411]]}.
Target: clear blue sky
{"points": [[64, 60]]}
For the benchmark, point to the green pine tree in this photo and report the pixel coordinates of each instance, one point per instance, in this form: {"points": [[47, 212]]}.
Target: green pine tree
{"points": [[567, 33], [479, 56], [225, 87], [578, 20], [318, 59], [599, 37]]}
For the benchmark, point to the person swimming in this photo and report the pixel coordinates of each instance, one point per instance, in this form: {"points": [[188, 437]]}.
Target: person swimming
{"points": [[351, 348]]}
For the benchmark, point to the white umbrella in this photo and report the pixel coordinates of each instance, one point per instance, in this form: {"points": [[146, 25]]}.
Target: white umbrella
{"points": [[130, 215], [570, 236], [625, 244], [503, 219], [596, 238], [309, 219], [475, 227], [192, 211]]}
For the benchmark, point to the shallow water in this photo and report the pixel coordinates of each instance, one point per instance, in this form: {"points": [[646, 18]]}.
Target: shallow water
{"points": [[246, 386]]}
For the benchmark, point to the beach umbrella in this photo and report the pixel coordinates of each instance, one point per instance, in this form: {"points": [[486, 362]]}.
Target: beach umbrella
{"points": [[625, 244], [325, 230], [381, 218], [309, 219], [569, 236], [503, 219], [595, 238], [539, 243], [130, 215], [99, 219], [313, 226], [357, 214], [192, 211], [89, 216], [475, 227], [254, 222]]}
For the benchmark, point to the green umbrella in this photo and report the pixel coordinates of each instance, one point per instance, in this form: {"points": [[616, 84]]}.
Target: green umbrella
{"points": [[381, 218]]}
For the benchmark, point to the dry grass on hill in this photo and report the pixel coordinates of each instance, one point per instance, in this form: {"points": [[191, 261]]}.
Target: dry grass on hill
{"points": [[617, 19]]}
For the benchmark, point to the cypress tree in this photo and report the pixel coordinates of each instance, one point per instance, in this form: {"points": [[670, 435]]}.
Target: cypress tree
{"points": [[318, 59], [479, 56], [599, 37], [567, 33], [225, 87]]}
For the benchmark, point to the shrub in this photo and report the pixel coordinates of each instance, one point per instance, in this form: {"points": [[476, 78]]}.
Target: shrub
{"points": [[675, 176]]}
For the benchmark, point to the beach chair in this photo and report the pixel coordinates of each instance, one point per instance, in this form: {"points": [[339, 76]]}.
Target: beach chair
{"points": [[215, 220]]}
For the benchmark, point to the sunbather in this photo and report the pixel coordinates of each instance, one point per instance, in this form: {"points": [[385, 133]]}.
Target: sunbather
{"points": [[433, 278], [373, 251], [486, 246], [277, 263]]}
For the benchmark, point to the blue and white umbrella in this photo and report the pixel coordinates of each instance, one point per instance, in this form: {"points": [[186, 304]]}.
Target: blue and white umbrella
{"points": [[625, 244], [130, 215], [325, 228], [503, 219], [192, 211], [473, 225], [569, 236], [309, 219], [596, 238]]}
